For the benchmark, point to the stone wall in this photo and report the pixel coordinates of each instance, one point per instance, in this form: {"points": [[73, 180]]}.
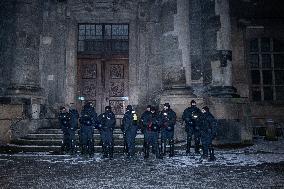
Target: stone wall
{"points": [[244, 28], [173, 44], [7, 42], [19, 117]]}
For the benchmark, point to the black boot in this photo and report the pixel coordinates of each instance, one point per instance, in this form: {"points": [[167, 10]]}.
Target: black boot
{"points": [[211, 154], [171, 148], [72, 147], [188, 145], [125, 147], [110, 151], [84, 150], [146, 150], [163, 148], [157, 152], [91, 149], [197, 147], [104, 148]]}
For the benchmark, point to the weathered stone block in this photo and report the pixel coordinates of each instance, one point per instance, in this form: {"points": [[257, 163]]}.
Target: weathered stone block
{"points": [[10, 111], [234, 116], [5, 131]]}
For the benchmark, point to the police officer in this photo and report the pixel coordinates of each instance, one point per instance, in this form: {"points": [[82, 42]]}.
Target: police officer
{"points": [[74, 116], [106, 124], [168, 121], [88, 121], [189, 116], [64, 121], [151, 133], [130, 127], [143, 122], [208, 125]]}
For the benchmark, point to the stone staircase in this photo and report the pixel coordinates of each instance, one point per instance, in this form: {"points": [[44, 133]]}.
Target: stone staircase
{"points": [[50, 140]]}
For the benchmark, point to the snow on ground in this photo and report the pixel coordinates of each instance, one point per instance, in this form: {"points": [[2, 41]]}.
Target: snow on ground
{"points": [[258, 166]]}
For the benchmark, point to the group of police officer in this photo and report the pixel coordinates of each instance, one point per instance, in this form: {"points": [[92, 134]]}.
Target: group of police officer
{"points": [[200, 125]]}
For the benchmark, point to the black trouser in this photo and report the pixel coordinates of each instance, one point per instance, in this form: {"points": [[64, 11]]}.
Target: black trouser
{"points": [[192, 132], [167, 135], [107, 142], [151, 138], [87, 139]]}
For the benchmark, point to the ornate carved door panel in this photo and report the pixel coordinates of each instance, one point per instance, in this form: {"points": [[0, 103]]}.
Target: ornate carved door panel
{"points": [[116, 85], [105, 82], [90, 81]]}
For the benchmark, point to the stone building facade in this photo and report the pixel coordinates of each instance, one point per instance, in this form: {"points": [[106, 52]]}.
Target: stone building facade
{"points": [[120, 52]]}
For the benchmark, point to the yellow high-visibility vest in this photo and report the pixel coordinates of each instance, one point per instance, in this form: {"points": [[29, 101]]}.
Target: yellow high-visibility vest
{"points": [[135, 117]]}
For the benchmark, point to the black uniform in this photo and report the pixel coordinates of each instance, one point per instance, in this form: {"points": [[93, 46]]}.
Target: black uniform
{"points": [[168, 121], [208, 125], [143, 122], [130, 127], [151, 134], [189, 117], [88, 121], [65, 124], [74, 115], [106, 124]]}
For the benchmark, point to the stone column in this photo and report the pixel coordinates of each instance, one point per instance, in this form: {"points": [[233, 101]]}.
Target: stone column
{"points": [[232, 112], [222, 64], [176, 59], [25, 76], [176, 46]]}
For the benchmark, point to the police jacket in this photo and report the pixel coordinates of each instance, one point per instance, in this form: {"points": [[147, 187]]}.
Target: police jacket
{"points": [[129, 120], [168, 119], [153, 122], [190, 115], [144, 120], [207, 124], [64, 120], [88, 117], [74, 115], [106, 121], [144, 117]]}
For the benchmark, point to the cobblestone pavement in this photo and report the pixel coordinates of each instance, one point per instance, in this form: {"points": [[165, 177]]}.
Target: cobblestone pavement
{"points": [[259, 166]]}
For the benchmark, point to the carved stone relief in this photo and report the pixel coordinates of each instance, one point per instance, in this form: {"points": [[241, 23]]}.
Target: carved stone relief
{"points": [[117, 89], [89, 88], [117, 106], [116, 71], [89, 71]]}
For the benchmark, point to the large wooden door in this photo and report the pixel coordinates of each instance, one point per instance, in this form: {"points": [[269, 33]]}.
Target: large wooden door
{"points": [[116, 85], [104, 82]]}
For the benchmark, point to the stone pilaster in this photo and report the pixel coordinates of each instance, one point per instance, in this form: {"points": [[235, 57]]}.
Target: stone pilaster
{"points": [[221, 61], [25, 76]]}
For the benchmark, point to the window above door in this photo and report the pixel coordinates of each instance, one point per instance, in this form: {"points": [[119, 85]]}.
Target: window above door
{"points": [[103, 39]]}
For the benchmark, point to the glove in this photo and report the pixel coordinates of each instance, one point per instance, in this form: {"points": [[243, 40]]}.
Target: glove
{"points": [[169, 128], [99, 126], [186, 129]]}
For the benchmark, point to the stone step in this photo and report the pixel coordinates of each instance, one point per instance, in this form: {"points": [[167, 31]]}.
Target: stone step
{"points": [[59, 131], [56, 149], [58, 142], [50, 140], [35, 136], [13, 148]]}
